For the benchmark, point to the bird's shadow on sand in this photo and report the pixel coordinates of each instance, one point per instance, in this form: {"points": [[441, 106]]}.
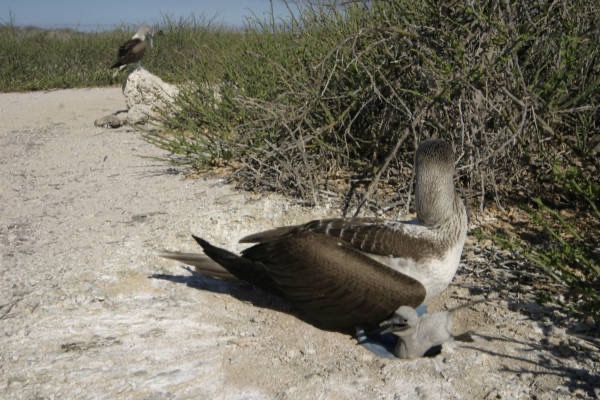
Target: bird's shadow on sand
{"points": [[242, 291], [546, 358], [549, 360], [380, 344]]}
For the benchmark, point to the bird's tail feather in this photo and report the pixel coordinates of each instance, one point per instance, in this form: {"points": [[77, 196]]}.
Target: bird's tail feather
{"points": [[202, 263]]}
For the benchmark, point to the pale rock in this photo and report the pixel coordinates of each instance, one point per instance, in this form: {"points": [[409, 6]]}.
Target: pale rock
{"points": [[139, 114], [144, 93], [142, 87]]}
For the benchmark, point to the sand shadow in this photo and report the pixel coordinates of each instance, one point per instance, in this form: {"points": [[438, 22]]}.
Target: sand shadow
{"points": [[240, 290], [550, 360], [382, 345]]}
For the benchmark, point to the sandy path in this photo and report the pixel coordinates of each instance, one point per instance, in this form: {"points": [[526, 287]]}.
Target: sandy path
{"points": [[88, 311]]}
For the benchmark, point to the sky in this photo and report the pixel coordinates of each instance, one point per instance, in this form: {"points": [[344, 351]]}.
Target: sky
{"points": [[94, 15]]}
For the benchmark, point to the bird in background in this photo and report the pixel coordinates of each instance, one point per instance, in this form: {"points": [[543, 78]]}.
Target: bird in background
{"points": [[133, 50]]}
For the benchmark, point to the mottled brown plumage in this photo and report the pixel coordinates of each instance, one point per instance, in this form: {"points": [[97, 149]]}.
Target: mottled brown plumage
{"points": [[371, 235]]}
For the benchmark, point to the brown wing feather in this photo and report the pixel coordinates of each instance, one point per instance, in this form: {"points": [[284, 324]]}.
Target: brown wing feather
{"points": [[130, 52], [370, 235], [386, 240], [271, 234], [335, 285], [242, 268]]}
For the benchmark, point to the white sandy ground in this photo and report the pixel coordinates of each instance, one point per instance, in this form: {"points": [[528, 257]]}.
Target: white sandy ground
{"points": [[87, 311]]}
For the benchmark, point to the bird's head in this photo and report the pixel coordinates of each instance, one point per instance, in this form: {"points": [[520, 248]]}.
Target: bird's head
{"points": [[403, 322], [145, 32]]}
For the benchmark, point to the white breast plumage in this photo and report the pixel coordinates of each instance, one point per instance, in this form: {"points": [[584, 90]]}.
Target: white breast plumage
{"points": [[433, 273]]}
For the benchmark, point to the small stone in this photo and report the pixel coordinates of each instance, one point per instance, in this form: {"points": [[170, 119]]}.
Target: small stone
{"points": [[110, 121]]}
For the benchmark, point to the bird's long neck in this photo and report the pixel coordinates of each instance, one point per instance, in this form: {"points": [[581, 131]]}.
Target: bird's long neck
{"points": [[435, 197]]}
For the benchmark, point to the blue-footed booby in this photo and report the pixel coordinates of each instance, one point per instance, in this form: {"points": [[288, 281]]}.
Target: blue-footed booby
{"points": [[133, 50], [347, 274]]}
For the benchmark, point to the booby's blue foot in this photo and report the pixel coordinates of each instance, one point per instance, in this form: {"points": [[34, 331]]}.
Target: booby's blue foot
{"points": [[422, 309], [382, 345]]}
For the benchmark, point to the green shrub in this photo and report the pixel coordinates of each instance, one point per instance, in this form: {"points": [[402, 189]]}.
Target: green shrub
{"points": [[334, 101], [34, 59], [564, 242]]}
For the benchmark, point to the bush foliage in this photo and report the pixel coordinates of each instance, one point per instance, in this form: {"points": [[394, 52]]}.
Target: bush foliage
{"points": [[334, 100], [36, 59]]}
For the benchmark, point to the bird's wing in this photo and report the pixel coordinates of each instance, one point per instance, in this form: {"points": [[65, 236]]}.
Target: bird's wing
{"points": [[369, 235], [240, 267], [335, 285], [129, 47]]}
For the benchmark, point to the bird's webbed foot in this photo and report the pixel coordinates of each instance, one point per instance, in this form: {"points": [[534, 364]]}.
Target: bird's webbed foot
{"points": [[396, 336], [382, 345]]}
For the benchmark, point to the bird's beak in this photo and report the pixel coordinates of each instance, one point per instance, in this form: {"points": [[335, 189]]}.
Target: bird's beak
{"points": [[393, 324]]}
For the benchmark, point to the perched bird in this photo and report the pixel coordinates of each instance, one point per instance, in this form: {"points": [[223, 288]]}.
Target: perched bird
{"points": [[346, 274], [133, 50]]}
